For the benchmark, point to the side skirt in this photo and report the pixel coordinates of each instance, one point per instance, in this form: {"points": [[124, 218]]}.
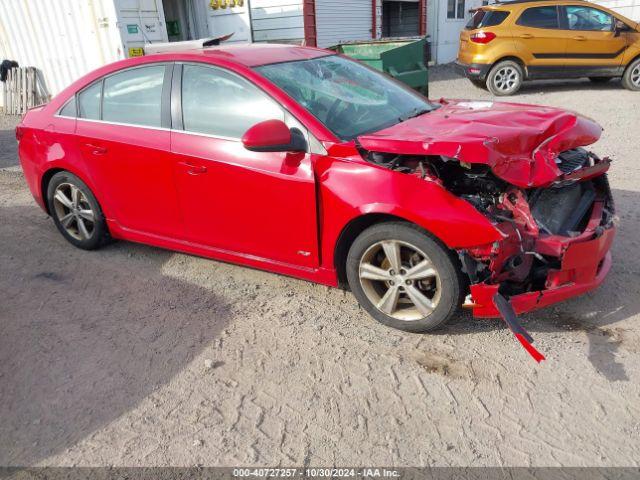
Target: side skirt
{"points": [[321, 275]]}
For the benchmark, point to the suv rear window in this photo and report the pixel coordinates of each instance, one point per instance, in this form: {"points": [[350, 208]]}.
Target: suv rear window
{"points": [[486, 18], [539, 17]]}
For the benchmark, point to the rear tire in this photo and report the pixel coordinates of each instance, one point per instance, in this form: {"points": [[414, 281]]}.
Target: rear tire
{"points": [[631, 77], [505, 78], [600, 79], [404, 278], [76, 212]]}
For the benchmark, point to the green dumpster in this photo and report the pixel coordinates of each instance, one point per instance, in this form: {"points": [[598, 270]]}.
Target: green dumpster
{"points": [[404, 59]]}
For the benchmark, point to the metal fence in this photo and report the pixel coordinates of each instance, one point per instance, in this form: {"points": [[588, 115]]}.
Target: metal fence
{"points": [[24, 88]]}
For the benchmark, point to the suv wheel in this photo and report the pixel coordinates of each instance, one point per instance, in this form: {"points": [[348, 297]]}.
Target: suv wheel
{"points": [[631, 77], [404, 278], [505, 78], [76, 211]]}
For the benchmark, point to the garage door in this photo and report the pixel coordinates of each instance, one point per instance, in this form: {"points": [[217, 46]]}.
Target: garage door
{"points": [[339, 21]]}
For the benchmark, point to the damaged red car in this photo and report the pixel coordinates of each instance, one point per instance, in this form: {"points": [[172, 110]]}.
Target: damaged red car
{"points": [[306, 163]]}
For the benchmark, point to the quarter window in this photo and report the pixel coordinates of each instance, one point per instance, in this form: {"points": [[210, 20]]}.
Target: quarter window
{"points": [[539, 17], [134, 96], [89, 102], [69, 109], [587, 18], [219, 103]]}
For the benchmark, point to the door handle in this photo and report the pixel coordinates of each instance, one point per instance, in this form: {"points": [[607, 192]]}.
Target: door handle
{"points": [[96, 149], [580, 38], [193, 169], [526, 35]]}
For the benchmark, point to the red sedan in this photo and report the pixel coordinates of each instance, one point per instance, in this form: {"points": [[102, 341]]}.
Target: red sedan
{"points": [[306, 163]]}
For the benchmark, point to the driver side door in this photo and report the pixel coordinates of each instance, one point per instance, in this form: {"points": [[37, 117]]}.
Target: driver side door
{"points": [[258, 204]]}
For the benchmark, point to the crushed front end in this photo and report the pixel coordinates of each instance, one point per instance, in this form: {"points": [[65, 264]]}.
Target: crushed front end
{"points": [[555, 238]]}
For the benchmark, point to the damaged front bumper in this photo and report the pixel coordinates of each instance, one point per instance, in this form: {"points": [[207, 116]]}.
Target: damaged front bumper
{"points": [[548, 255], [584, 267]]}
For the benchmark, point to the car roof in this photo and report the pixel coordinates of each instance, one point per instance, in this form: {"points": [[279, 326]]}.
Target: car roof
{"points": [[255, 54], [507, 4]]}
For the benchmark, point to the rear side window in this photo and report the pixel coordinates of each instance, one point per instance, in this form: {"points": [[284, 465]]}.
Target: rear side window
{"points": [[89, 102], [134, 96], [539, 17], [486, 18], [219, 103]]}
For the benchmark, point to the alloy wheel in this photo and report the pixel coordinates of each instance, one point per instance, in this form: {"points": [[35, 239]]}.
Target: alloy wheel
{"points": [[635, 76], [400, 280], [506, 79], [73, 211]]}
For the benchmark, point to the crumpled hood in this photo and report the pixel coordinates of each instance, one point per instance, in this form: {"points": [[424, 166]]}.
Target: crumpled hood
{"points": [[519, 142]]}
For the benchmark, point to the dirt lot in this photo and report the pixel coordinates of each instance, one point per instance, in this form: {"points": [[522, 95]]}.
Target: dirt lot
{"points": [[138, 356]]}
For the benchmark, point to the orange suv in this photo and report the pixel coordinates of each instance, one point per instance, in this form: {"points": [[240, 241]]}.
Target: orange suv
{"points": [[506, 43]]}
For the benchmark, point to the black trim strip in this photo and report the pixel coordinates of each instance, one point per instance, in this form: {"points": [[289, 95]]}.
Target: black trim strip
{"points": [[176, 98], [165, 106], [581, 55]]}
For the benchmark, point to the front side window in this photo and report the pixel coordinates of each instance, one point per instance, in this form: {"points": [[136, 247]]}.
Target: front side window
{"points": [[219, 103], [134, 96], [347, 97], [539, 17], [587, 18], [89, 102]]}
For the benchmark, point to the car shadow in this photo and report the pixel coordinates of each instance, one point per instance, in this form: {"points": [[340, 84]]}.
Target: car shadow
{"points": [[86, 336], [599, 314], [8, 148], [448, 72]]}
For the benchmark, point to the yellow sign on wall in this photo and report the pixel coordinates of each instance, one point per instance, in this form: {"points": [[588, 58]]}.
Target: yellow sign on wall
{"points": [[136, 51]]}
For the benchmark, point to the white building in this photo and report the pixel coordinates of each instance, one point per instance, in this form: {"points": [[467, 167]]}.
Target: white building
{"points": [[67, 38]]}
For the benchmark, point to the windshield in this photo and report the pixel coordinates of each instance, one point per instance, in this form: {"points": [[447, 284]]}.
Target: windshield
{"points": [[347, 97]]}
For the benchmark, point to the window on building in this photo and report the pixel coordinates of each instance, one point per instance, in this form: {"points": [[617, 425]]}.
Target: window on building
{"points": [[587, 18], [455, 9], [89, 102], [539, 17], [219, 103], [134, 96]]}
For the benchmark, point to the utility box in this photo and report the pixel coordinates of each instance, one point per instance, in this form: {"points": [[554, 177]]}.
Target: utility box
{"points": [[404, 59]]}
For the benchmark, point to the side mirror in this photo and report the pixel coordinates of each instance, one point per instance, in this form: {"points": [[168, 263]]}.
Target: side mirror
{"points": [[274, 136], [619, 27]]}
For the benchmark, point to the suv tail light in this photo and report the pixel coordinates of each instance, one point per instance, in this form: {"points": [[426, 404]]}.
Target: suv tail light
{"points": [[482, 37], [19, 133]]}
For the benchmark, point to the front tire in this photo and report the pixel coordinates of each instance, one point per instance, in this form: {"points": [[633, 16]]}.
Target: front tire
{"points": [[631, 77], [505, 78], [76, 212], [404, 278]]}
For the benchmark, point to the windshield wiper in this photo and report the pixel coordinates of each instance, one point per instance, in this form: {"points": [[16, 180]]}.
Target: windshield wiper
{"points": [[416, 112]]}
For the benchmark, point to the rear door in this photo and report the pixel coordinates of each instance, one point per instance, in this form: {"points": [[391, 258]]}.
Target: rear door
{"points": [[123, 134], [593, 47], [261, 204], [541, 41]]}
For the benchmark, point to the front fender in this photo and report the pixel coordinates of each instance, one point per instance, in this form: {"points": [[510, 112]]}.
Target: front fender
{"points": [[349, 190]]}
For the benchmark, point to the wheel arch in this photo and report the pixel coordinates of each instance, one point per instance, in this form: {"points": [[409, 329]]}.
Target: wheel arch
{"points": [[513, 58], [48, 175], [354, 228]]}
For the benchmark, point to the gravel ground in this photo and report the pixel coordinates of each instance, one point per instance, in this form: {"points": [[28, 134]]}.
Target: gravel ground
{"points": [[137, 356]]}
